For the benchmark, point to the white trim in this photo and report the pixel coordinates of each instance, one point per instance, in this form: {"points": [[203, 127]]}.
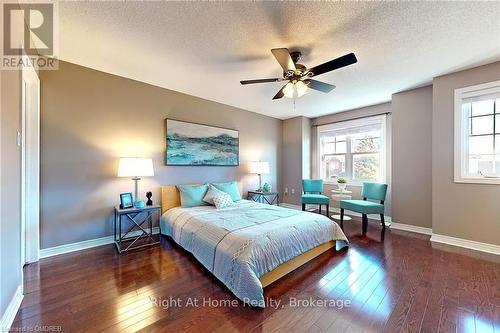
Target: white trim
{"points": [[411, 228], [30, 166], [465, 243], [11, 311], [66, 248], [24, 203], [289, 205], [375, 119], [460, 146], [388, 219], [72, 247]]}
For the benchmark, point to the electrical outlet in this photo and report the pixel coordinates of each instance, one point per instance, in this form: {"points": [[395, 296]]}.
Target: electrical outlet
{"points": [[293, 191], [286, 190], [18, 139]]}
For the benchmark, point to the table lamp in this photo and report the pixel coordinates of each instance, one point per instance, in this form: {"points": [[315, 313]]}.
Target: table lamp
{"points": [[136, 167], [259, 168]]}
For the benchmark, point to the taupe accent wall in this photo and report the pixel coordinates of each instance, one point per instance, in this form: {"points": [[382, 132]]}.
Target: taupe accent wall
{"points": [[412, 157], [469, 211], [348, 115], [10, 186], [296, 157], [89, 119]]}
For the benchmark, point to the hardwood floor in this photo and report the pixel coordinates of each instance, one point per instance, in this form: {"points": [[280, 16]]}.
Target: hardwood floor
{"points": [[403, 284]]}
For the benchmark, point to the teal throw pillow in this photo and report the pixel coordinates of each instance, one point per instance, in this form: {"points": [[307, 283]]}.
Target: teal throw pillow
{"points": [[192, 195]]}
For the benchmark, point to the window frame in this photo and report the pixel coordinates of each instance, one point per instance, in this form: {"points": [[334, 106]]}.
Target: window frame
{"points": [[461, 131], [369, 120]]}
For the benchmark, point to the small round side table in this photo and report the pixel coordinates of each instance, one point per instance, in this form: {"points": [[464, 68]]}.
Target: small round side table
{"points": [[337, 196]]}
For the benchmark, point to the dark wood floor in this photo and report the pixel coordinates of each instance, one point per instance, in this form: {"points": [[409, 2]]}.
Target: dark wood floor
{"points": [[401, 285]]}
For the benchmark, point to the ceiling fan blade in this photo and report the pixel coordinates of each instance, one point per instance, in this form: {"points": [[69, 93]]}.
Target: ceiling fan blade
{"points": [[261, 81], [320, 86], [280, 93], [284, 59], [331, 65]]}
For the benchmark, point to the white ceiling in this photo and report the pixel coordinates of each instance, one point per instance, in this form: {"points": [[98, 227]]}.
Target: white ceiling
{"points": [[205, 49]]}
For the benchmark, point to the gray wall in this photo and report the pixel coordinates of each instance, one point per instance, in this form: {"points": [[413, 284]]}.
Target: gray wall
{"points": [[306, 147], [412, 157], [348, 115], [10, 188], [469, 211], [296, 149], [89, 119]]}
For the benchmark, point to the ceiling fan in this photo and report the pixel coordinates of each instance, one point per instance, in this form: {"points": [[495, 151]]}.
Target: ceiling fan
{"points": [[299, 76]]}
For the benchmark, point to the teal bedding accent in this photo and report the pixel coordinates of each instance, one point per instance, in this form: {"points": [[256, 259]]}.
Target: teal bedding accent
{"points": [[192, 195], [230, 188]]}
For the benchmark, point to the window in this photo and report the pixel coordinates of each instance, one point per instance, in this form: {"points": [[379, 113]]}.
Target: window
{"points": [[477, 134], [352, 149]]}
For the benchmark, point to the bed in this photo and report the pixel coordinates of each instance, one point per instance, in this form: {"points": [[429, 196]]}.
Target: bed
{"points": [[249, 245]]}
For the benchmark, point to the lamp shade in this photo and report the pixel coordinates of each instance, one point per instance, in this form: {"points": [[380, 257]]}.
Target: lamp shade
{"points": [[259, 167], [135, 167]]}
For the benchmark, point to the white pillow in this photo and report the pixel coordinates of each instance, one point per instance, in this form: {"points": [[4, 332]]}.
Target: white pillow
{"points": [[212, 192], [223, 200]]}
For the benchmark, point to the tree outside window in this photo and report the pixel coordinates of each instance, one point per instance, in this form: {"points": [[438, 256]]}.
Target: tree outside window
{"points": [[352, 152]]}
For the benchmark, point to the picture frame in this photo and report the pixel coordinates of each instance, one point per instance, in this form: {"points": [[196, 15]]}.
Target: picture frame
{"points": [[126, 200], [194, 144]]}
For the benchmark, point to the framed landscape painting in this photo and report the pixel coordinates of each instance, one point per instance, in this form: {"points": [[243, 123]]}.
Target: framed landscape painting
{"points": [[197, 144]]}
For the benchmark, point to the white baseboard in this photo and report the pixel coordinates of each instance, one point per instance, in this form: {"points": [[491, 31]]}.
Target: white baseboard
{"points": [[465, 243], [289, 205], [478, 246], [11, 311], [388, 219], [66, 248], [411, 228]]}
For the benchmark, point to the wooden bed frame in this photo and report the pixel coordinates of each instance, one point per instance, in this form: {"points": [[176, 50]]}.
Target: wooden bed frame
{"points": [[170, 198]]}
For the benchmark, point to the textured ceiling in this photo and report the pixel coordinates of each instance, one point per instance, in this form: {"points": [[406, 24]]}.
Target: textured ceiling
{"points": [[205, 48]]}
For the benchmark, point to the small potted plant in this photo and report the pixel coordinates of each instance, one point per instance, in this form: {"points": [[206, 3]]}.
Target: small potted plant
{"points": [[342, 183]]}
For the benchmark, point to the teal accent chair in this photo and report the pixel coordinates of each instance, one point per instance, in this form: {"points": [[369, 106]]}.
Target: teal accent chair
{"points": [[313, 189], [372, 191]]}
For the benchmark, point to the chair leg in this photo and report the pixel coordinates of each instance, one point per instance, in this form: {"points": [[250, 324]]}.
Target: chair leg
{"points": [[365, 223], [342, 218], [327, 210], [319, 209], [383, 220], [303, 206]]}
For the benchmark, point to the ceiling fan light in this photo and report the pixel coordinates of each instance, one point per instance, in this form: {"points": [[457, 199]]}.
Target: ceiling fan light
{"points": [[301, 88], [288, 91]]}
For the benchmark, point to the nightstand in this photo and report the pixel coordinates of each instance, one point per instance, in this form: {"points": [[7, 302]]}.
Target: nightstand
{"points": [[264, 197], [139, 225]]}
